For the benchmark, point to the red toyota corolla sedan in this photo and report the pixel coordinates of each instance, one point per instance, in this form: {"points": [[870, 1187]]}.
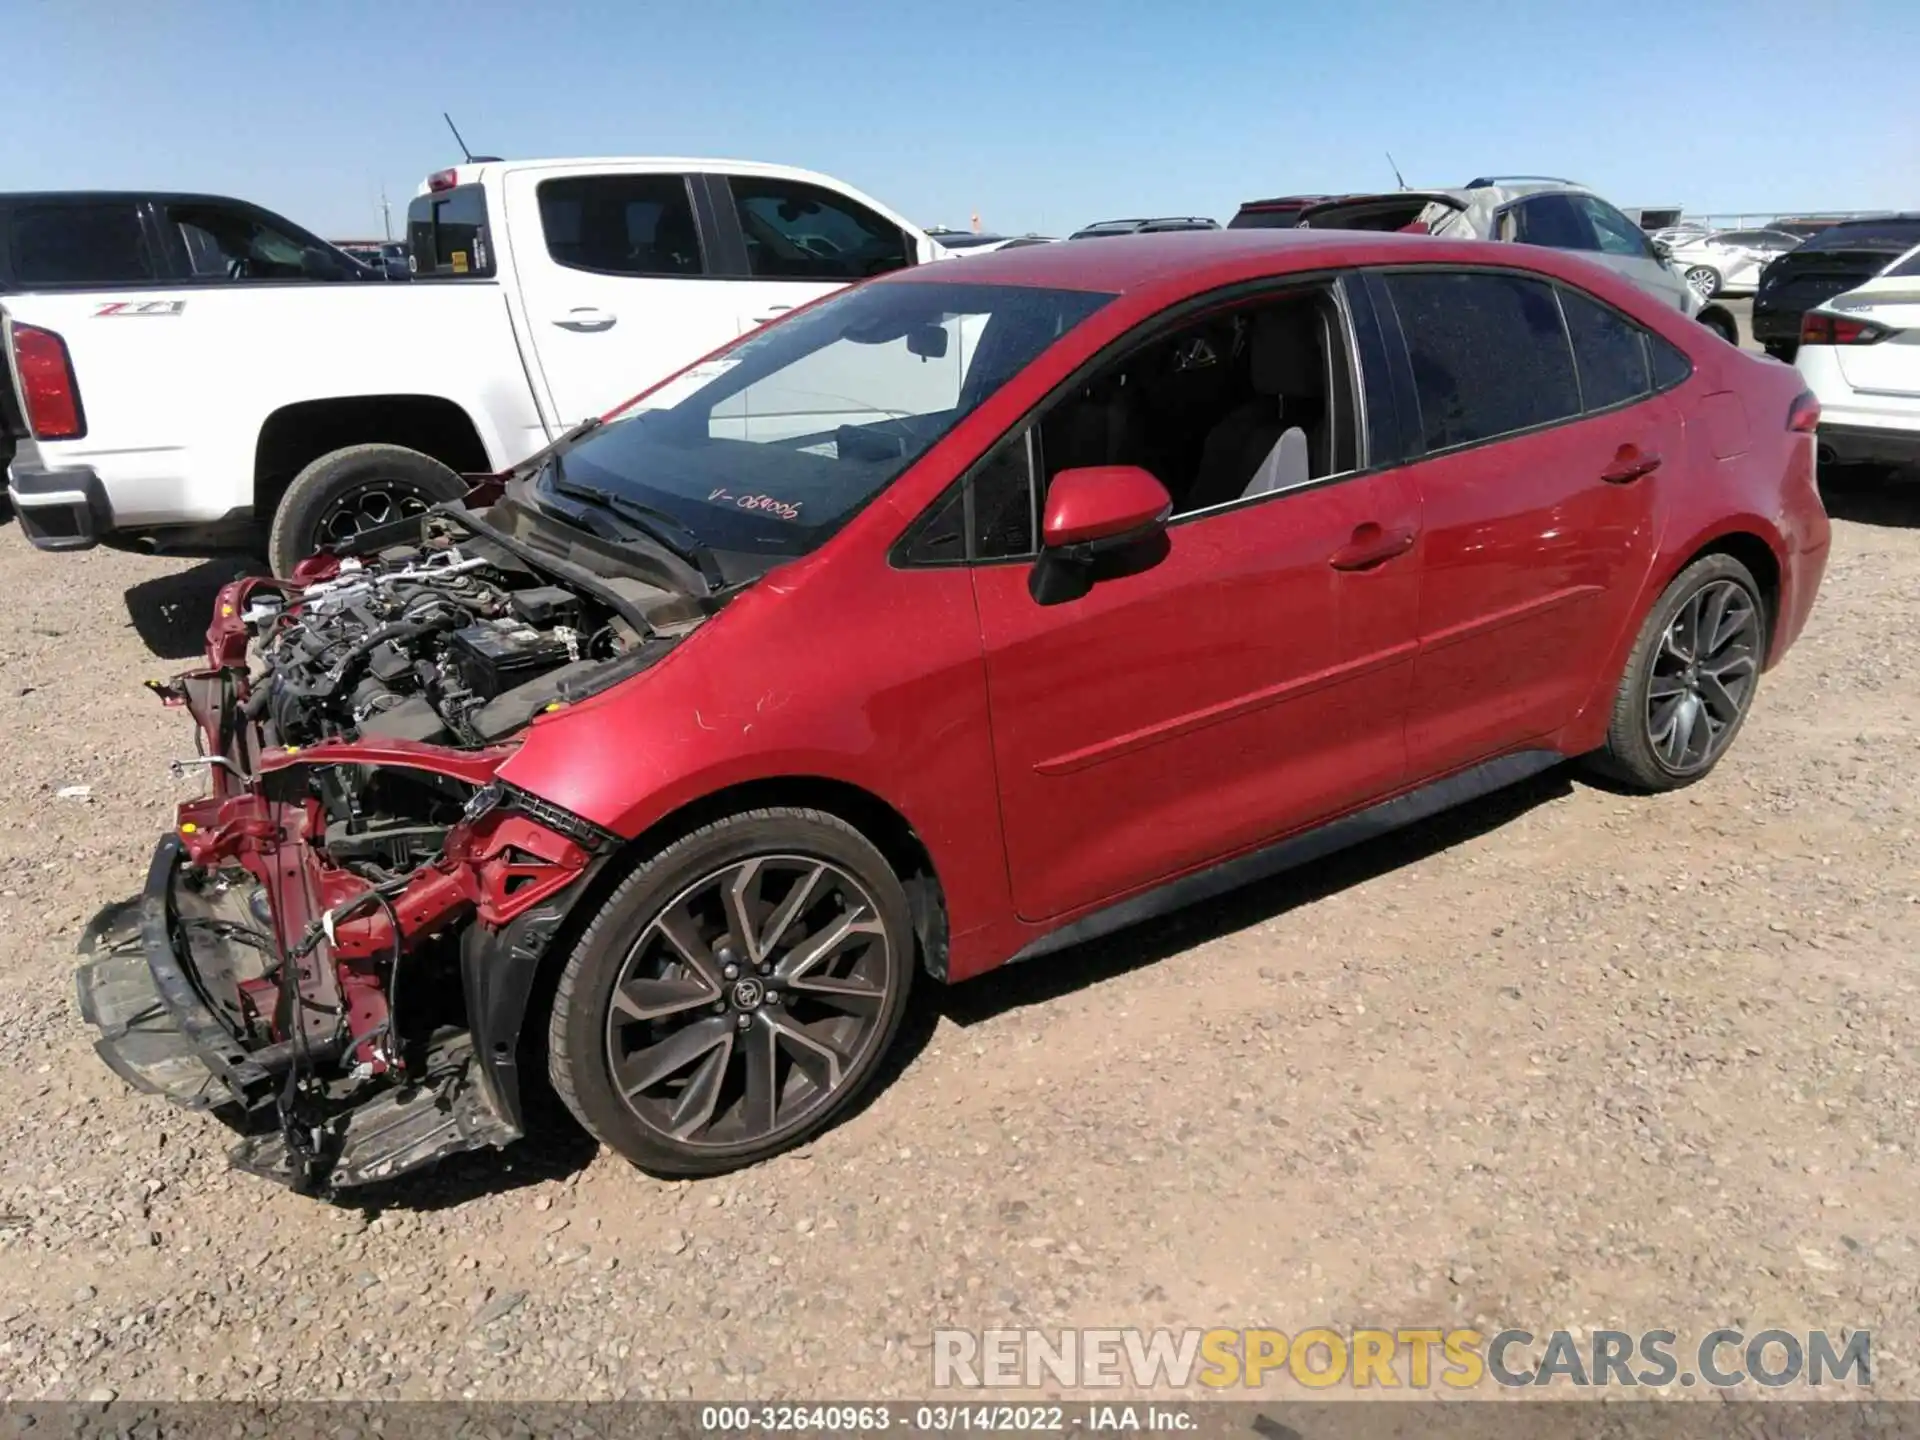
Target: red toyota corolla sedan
{"points": [[963, 615]]}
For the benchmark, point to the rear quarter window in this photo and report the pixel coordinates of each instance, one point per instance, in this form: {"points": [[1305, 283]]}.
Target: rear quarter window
{"points": [[448, 233], [103, 244]]}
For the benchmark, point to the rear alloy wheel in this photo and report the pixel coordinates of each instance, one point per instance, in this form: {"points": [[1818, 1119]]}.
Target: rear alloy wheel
{"points": [[1691, 678], [734, 994], [1704, 280], [351, 490]]}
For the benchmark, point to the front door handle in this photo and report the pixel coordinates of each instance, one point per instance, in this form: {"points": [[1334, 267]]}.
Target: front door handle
{"points": [[586, 317], [1630, 462], [1371, 546], [774, 312]]}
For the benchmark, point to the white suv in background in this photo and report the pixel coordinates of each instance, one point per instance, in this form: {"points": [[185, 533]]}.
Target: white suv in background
{"points": [[1860, 354], [1529, 210]]}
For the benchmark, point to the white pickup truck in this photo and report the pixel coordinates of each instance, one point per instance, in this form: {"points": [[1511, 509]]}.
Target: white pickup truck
{"points": [[190, 415]]}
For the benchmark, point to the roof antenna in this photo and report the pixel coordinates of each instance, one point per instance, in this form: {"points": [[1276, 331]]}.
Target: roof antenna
{"points": [[1398, 179], [456, 136], [472, 159]]}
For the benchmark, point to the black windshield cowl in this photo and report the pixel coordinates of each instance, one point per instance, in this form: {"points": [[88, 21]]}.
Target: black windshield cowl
{"points": [[656, 524]]}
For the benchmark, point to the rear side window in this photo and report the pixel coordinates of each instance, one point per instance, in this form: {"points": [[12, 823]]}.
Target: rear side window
{"points": [[1906, 267], [795, 231], [1610, 351], [1489, 354], [447, 232], [1551, 220], [621, 224], [101, 244]]}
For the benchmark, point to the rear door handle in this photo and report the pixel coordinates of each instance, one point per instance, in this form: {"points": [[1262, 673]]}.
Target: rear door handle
{"points": [[586, 317], [1630, 462], [1371, 546], [774, 312]]}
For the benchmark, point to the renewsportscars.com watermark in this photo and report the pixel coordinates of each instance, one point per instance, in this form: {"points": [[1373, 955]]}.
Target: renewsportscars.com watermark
{"points": [[1415, 1359]]}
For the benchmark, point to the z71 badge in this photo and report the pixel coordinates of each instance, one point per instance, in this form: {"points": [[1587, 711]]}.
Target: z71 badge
{"points": [[140, 307]]}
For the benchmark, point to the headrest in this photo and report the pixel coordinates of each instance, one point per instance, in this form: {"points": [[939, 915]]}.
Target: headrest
{"points": [[1284, 351]]}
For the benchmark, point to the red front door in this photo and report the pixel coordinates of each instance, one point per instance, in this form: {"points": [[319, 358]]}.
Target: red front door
{"points": [[1242, 688]]}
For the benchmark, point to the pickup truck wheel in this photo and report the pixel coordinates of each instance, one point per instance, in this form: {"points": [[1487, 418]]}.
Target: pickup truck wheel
{"points": [[351, 490]]}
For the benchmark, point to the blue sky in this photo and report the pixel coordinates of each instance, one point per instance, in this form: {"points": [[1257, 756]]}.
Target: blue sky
{"points": [[1037, 114]]}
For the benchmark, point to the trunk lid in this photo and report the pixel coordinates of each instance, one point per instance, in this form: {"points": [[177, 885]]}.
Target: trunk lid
{"points": [[1890, 366], [1802, 279]]}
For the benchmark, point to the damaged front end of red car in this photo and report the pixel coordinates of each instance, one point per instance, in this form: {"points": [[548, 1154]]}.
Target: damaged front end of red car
{"points": [[334, 947]]}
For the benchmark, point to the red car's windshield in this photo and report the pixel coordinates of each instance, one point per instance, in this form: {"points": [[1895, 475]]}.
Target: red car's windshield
{"points": [[771, 446]]}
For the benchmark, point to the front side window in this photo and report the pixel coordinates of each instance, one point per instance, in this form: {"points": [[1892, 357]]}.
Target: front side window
{"points": [[795, 231], [621, 224], [1615, 233], [79, 245], [1609, 350], [1246, 402], [769, 447], [1489, 353], [226, 243]]}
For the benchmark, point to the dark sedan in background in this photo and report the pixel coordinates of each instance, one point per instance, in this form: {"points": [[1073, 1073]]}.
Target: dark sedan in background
{"points": [[1837, 259]]}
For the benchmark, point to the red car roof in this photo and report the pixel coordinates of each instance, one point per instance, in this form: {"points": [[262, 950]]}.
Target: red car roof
{"points": [[1199, 260]]}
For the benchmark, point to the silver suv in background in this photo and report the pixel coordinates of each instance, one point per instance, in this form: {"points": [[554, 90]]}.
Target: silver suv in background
{"points": [[1529, 210]]}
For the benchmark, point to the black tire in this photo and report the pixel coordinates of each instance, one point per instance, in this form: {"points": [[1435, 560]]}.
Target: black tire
{"points": [[348, 489], [1783, 350], [1722, 323], [712, 1024], [1639, 751]]}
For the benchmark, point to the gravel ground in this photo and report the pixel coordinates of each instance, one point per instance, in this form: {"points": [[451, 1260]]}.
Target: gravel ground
{"points": [[1562, 1059]]}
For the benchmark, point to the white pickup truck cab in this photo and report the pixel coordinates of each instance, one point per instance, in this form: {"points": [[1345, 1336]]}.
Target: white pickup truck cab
{"points": [[189, 415]]}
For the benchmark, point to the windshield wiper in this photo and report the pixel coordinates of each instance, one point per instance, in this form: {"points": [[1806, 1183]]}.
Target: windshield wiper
{"points": [[657, 525]]}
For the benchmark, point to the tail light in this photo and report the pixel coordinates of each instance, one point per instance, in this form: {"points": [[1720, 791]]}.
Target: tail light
{"points": [[47, 385], [443, 180], [1803, 416], [1820, 329]]}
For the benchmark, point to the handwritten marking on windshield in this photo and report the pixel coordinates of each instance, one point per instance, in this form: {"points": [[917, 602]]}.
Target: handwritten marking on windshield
{"points": [[764, 504]]}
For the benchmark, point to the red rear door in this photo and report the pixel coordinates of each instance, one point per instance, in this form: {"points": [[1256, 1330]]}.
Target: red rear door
{"points": [[1538, 511]]}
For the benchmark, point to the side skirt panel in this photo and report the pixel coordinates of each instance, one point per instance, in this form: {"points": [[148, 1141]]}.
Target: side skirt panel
{"points": [[1362, 825]]}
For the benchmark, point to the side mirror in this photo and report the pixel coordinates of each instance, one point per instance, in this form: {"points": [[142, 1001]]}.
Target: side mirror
{"points": [[1663, 249], [1101, 523], [1103, 505]]}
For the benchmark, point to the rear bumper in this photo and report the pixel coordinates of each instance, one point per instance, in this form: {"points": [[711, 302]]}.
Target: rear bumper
{"points": [[59, 509], [1868, 445]]}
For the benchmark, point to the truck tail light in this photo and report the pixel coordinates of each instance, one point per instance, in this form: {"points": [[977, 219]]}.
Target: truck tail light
{"points": [[1819, 329], [443, 180], [47, 385], [1803, 416]]}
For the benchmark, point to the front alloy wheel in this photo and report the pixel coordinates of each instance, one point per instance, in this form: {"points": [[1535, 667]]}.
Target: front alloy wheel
{"points": [[734, 993]]}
